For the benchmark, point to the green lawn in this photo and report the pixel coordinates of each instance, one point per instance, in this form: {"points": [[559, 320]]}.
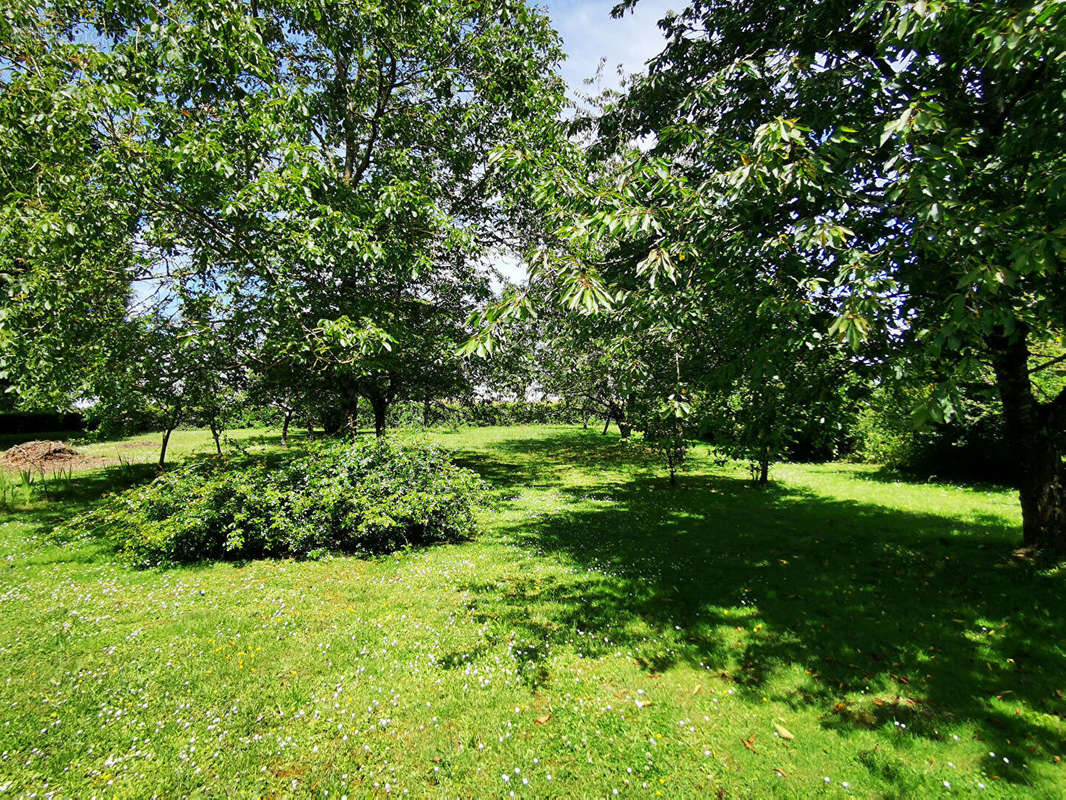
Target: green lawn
{"points": [[835, 635]]}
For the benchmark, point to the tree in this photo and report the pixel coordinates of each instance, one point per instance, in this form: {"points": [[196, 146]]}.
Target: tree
{"points": [[304, 166], [901, 164]]}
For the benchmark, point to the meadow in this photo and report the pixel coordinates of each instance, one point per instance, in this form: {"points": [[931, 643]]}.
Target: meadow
{"points": [[841, 633]]}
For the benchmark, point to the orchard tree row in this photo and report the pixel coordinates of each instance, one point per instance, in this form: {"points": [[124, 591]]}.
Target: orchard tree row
{"points": [[786, 178]]}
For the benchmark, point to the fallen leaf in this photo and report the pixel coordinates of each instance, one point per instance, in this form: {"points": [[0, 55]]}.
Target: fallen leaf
{"points": [[542, 720], [783, 732], [780, 772], [750, 743], [642, 703]]}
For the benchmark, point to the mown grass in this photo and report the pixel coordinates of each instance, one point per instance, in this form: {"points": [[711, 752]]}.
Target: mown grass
{"points": [[606, 635]]}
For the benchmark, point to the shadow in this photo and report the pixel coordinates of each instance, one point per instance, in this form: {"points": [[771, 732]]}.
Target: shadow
{"points": [[536, 462], [582, 448], [896, 618], [58, 499], [64, 497], [884, 474], [297, 438]]}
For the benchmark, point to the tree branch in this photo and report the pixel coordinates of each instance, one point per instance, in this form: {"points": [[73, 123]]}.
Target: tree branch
{"points": [[385, 89], [1047, 364]]}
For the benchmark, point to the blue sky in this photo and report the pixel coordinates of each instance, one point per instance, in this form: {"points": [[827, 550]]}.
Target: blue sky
{"points": [[589, 34]]}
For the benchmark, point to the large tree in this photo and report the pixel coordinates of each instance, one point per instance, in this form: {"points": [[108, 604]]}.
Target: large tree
{"points": [[315, 168]]}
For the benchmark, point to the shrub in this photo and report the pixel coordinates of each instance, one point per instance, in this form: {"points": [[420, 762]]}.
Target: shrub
{"points": [[973, 446], [668, 437], [367, 497]]}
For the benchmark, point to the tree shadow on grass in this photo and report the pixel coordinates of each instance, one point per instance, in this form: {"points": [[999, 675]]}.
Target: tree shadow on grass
{"points": [[883, 474], [929, 615], [515, 463], [58, 498]]}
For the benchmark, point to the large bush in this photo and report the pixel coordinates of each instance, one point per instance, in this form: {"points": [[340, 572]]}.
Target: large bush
{"points": [[972, 446], [367, 497]]}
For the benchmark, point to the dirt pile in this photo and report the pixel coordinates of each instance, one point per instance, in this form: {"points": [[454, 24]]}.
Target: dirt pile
{"points": [[37, 454]]}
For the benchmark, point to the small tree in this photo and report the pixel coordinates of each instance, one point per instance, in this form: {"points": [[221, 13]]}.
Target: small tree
{"points": [[667, 431]]}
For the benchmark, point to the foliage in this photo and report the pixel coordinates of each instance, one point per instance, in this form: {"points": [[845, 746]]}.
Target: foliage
{"points": [[668, 435], [888, 174], [303, 181], [971, 446], [356, 498], [481, 413]]}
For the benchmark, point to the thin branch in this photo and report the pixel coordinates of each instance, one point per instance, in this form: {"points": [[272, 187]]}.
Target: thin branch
{"points": [[385, 88], [1047, 364]]}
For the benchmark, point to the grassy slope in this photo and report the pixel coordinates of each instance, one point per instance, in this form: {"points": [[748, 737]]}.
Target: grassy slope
{"points": [[606, 630]]}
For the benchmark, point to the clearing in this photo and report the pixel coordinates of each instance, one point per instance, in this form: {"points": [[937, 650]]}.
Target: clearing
{"points": [[839, 634]]}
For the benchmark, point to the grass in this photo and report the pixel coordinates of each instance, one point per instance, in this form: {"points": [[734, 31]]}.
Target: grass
{"points": [[834, 635]]}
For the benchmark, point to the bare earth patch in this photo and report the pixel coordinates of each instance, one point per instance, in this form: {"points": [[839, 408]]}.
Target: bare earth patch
{"points": [[42, 455], [38, 452]]}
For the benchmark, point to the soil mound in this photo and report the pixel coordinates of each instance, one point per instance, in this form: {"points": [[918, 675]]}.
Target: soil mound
{"points": [[37, 454]]}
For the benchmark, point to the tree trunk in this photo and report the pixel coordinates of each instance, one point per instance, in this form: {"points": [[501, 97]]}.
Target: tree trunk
{"points": [[163, 449], [1033, 429], [381, 410], [606, 425], [624, 415], [217, 435], [285, 429], [425, 413], [764, 465], [353, 419]]}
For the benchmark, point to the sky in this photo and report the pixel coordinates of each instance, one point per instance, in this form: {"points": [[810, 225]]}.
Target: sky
{"points": [[589, 34]]}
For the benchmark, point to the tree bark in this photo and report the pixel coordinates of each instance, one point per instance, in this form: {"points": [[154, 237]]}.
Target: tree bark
{"points": [[764, 465], [606, 424], [353, 418], [217, 435], [285, 429], [163, 449], [381, 410], [624, 428], [1034, 430]]}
